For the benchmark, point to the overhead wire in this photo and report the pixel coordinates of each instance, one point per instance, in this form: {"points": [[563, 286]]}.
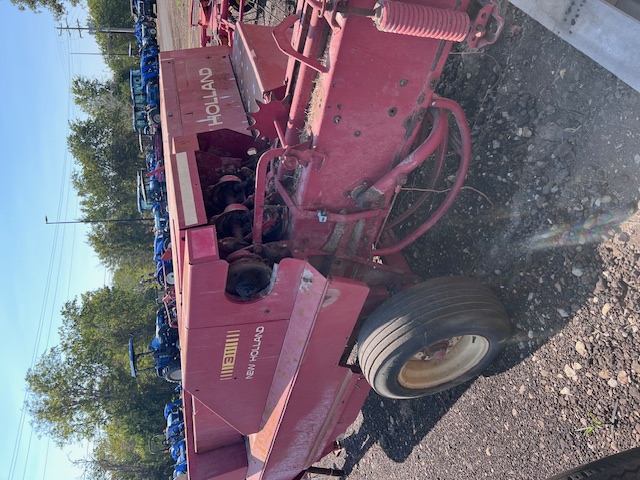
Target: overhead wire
{"points": [[57, 250]]}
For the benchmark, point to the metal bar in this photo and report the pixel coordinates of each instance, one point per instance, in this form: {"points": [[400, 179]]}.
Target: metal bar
{"points": [[261, 184], [304, 85], [440, 159], [300, 213], [465, 160], [329, 472], [398, 174], [283, 43]]}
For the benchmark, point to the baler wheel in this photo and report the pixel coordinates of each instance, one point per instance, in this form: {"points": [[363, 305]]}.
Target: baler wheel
{"points": [[431, 337]]}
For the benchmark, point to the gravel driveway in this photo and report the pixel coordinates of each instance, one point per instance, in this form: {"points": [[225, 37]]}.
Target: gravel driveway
{"points": [[551, 224]]}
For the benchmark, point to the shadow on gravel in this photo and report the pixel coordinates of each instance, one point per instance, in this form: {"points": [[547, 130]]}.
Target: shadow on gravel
{"points": [[552, 177], [397, 425]]}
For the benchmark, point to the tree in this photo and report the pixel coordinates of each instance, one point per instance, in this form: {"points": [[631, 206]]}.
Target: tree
{"points": [[84, 383], [120, 456], [105, 13], [59, 385], [56, 7], [107, 159]]}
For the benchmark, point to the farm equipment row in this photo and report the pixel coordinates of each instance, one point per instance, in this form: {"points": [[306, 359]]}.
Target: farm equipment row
{"points": [[145, 94], [287, 156], [172, 439], [152, 196]]}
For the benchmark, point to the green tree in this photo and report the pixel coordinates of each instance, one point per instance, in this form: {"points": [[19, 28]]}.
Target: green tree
{"points": [[107, 158], [113, 45], [85, 383], [118, 455], [56, 7]]}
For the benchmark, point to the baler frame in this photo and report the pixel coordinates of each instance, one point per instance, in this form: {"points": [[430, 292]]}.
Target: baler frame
{"points": [[283, 241]]}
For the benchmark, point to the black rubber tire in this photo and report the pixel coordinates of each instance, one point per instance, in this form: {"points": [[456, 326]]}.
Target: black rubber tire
{"points": [[621, 466], [173, 373], [424, 315]]}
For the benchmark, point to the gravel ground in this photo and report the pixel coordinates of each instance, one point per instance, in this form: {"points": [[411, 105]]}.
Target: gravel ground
{"points": [[551, 224]]}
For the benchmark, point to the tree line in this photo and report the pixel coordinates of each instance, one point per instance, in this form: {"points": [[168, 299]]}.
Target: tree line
{"points": [[82, 388]]}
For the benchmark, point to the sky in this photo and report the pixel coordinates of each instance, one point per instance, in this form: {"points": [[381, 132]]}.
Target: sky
{"points": [[43, 265]]}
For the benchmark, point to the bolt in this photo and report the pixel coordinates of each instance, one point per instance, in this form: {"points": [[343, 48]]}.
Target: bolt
{"points": [[337, 119], [356, 133], [392, 111], [404, 82]]}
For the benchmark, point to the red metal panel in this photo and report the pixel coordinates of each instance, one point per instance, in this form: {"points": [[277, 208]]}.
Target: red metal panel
{"points": [[224, 463], [210, 431], [310, 391], [258, 64], [229, 369], [201, 93], [352, 406], [378, 85], [219, 336], [183, 193]]}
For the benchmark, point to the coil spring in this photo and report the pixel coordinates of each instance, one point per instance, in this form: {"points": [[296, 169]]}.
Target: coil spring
{"points": [[422, 21]]}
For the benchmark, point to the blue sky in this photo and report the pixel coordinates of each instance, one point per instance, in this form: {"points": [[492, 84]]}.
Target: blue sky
{"points": [[44, 265]]}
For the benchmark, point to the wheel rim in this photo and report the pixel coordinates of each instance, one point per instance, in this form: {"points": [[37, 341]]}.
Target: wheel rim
{"points": [[443, 362], [170, 278], [175, 375]]}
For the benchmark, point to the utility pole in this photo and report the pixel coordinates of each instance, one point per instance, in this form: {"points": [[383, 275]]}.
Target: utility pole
{"points": [[93, 29], [114, 220]]}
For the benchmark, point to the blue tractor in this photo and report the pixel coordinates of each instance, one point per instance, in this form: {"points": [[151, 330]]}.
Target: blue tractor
{"points": [[141, 122], [145, 31], [150, 190], [178, 452], [164, 348], [143, 8], [145, 93]]}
